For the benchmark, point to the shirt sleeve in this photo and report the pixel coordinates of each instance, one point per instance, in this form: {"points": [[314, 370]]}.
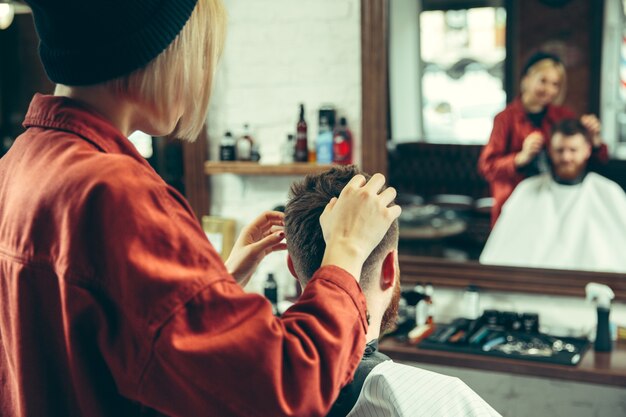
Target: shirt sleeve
{"points": [[600, 154], [225, 354], [496, 162], [190, 341]]}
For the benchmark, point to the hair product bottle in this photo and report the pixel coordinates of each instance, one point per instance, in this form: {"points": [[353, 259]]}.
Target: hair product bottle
{"points": [[287, 150], [270, 290], [324, 143], [302, 148], [342, 143], [244, 145], [227, 147]]}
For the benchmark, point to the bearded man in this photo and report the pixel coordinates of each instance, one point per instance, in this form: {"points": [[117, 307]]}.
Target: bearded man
{"points": [[567, 218]]}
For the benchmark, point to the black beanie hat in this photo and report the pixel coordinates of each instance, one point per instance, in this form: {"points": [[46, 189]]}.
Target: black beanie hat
{"points": [[85, 42], [539, 56]]}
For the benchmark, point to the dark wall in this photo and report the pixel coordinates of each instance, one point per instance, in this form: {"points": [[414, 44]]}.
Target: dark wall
{"points": [[21, 72], [573, 31], [21, 75]]}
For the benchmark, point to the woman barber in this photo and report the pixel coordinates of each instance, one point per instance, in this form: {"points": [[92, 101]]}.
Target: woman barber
{"points": [[516, 148], [113, 301]]}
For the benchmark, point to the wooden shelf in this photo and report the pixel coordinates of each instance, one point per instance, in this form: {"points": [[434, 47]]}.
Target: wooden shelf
{"points": [[254, 168]]}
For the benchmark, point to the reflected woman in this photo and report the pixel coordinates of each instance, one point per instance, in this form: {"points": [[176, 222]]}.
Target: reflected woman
{"points": [[517, 146]]}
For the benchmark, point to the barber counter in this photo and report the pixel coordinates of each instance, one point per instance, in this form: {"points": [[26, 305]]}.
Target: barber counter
{"points": [[606, 368]]}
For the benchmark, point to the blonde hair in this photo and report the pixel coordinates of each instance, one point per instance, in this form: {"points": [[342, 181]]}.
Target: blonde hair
{"points": [[183, 73], [542, 65]]}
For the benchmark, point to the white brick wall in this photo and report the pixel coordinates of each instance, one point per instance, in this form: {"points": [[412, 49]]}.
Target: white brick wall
{"points": [[280, 53]]}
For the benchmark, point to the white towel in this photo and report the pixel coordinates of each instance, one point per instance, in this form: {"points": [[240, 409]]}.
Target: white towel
{"points": [[549, 225]]}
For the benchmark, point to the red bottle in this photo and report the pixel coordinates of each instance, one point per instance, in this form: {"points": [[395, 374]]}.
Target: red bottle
{"points": [[302, 149], [342, 143]]}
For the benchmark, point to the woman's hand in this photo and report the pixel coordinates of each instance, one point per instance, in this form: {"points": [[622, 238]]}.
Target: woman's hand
{"points": [[592, 124], [261, 237], [354, 224], [533, 144]]}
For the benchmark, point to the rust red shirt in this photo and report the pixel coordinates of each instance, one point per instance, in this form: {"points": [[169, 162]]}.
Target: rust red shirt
{"points": [[114, 303], [510, 127]]}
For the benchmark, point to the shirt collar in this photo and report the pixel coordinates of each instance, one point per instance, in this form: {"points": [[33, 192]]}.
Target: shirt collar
{"points": [[371, 347], [66, 114]]}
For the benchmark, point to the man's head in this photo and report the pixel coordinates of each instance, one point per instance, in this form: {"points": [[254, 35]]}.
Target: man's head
{"points": [[570, 149], [306, 245]]}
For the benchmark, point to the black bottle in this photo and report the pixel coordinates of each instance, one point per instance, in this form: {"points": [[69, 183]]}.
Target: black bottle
{"points": [[302, 147], [603, 334], [270, 290], [227, 148]]}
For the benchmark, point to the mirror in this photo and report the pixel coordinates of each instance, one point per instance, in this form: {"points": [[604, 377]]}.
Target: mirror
{"points": [[583, 93]]}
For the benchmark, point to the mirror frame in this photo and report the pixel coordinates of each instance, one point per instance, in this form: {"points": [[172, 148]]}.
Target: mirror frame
{"points": [[441, 272]]}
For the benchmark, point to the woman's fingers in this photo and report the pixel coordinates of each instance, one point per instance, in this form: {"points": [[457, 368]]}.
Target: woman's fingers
{"points": [[375, 183], [270, 243], [264, 222], [388, 195], [591, 122], [355, 183], [394, 211]]}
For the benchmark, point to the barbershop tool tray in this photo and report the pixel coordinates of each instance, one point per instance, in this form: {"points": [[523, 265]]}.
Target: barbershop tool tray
{"points": [[479, 337]]}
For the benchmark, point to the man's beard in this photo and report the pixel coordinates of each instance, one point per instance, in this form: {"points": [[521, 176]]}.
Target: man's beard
{"points": [[569, 171], [391, 314]]}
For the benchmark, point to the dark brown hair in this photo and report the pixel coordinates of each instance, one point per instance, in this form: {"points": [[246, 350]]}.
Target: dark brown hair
{"points": [[571, 127], [305, 241]]}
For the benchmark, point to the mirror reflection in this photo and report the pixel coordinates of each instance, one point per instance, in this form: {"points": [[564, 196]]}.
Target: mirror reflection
{"points": [[506, 133], [564, 218], [462, 54]]}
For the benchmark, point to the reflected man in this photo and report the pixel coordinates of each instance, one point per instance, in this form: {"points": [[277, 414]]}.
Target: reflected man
{"points": [[568, 218]]}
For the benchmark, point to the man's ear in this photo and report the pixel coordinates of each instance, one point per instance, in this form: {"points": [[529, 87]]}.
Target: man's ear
{"points": [[291, 268], [388, 270]]}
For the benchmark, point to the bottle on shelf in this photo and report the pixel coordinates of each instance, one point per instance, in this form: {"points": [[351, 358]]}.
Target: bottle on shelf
{"points": [[471, 303], [324, 142], [424, 325], [312, 152], [244, 145], [270, 290], [342, 143], [328, 111], [287, 150], [421, 313], [302, 148], [227, 147], [255, 153]]}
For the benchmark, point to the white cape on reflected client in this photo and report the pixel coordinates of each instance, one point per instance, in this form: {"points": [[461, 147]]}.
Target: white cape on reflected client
{"points": [[545, 224]]}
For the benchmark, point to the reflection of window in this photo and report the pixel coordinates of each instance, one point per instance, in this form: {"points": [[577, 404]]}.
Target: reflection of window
{"points": [[458, 73], [462, 56]]}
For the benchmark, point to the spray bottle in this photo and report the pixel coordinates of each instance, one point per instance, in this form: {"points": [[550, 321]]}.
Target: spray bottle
{"points": [[602, 295]]}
